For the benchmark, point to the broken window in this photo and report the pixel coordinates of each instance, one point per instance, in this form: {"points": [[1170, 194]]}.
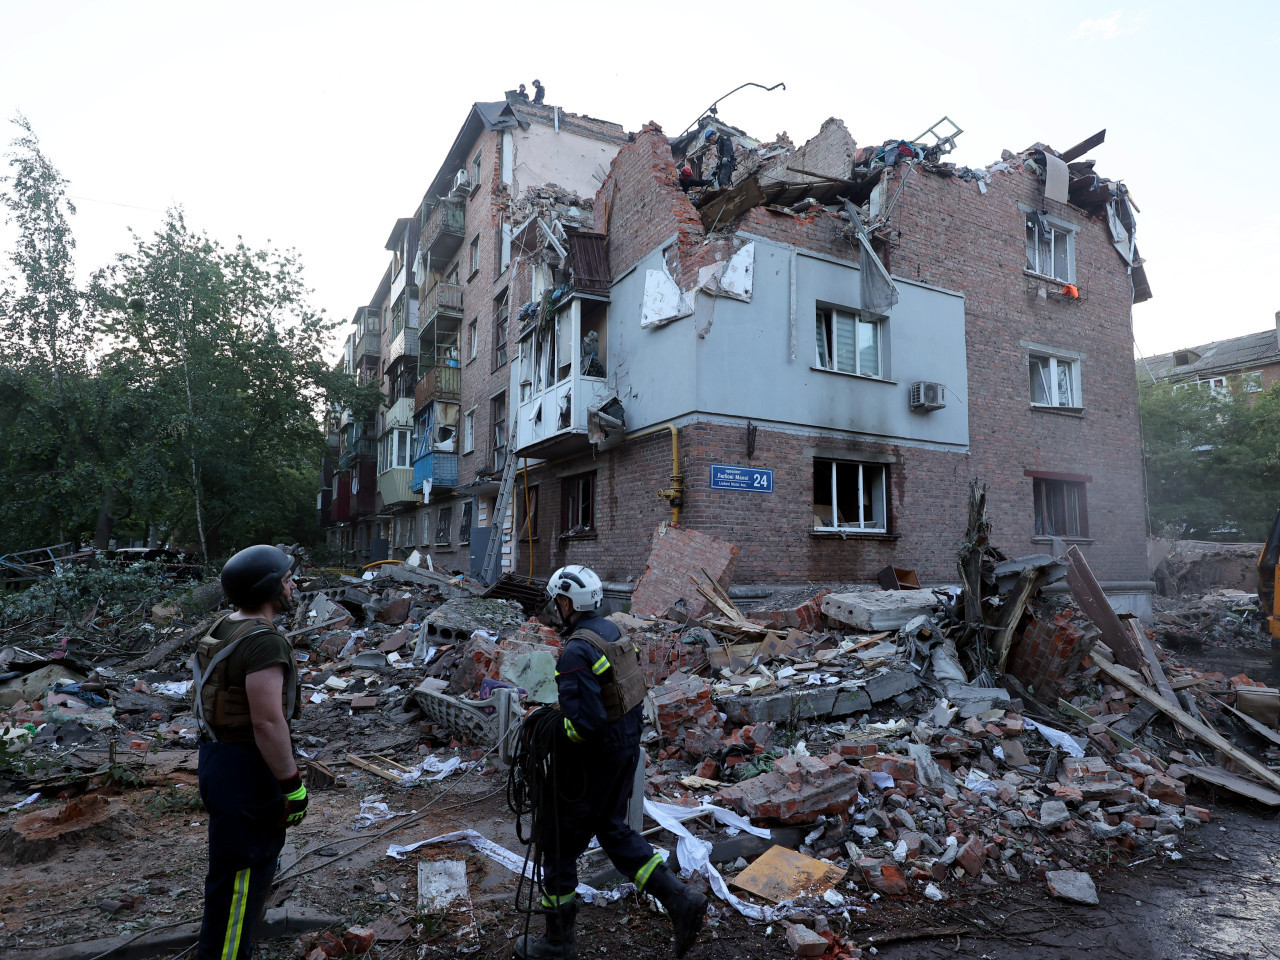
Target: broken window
{"points": [[850, 496], [498, 418], [578, 504], [848, 342], [409, 538], [469, 431], [595, 316], [501, 319], [1049, 248], [1060, 508], [464, 527], [443, 521], [528, 511], [1055, 381]]}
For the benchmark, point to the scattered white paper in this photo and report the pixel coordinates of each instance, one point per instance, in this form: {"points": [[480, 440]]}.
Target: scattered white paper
{"points": [[373, 810], [22, 803], [439, 769], [177, 689]]}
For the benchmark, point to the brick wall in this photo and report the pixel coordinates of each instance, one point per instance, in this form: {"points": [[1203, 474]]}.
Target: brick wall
{"points": [[950, 235]]}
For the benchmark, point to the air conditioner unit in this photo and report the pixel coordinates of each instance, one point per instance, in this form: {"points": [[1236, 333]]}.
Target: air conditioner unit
{"points": [[460, 181], [926, 395]]}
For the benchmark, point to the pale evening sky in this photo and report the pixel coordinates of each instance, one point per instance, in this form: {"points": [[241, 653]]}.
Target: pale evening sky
{"points": [[315, 125]]}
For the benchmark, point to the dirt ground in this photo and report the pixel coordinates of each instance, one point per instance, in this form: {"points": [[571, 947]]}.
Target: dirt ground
{"points": [[1221, 900]]}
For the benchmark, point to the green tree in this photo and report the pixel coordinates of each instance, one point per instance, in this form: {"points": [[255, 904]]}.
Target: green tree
{"points": [[225, 341], [1212, 459]]}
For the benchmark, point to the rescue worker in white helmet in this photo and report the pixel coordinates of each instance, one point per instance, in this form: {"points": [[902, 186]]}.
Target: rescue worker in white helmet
{"points": [[596, 755], [244, 695]]}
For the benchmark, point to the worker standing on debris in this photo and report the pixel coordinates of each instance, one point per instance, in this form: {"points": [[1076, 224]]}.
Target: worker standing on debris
{"points": [[539, 91], [726, 162], [597, 747], [245, 693], [687, 179]]}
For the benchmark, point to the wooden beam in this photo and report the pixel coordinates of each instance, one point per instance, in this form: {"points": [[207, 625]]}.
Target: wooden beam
{"points": [[1093, 601], [822, 176], [1203, 731], [1011, 614], [352, 759], [1072, 710], [1246, 788], [1084, 146], [1155, 672]]}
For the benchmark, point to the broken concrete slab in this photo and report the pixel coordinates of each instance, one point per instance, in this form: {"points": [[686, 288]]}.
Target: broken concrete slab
{"points": [[1073, 886], [442, 885], [800, 703], [797, 790], [877, 610], [456, 620], [33, 685], [1054, 814]]}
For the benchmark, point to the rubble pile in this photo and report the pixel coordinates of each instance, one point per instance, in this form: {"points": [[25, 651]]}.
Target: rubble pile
{"points": [[890, 743]]}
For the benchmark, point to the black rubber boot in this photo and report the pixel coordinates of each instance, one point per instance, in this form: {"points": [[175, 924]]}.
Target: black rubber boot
{"points": [[557, 943], [687, 908]]}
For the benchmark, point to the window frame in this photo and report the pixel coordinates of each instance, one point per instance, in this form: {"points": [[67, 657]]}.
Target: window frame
{"points": [[1051, 383], [477, 168], [1032, 223], [528, 508], [827, 343], [501, 329], [473, 339], [571, 504], [444, 519], [473, 257], [498, 427], [469, 431], [860, 526], [1077, 485], [466, 521]]}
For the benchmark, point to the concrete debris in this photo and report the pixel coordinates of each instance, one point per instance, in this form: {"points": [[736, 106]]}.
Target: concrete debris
{"points": [[1072, 886], [879, 609]]}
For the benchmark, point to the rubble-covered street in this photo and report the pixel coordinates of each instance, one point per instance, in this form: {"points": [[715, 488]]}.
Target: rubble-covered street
{"points": [[964, 771]]}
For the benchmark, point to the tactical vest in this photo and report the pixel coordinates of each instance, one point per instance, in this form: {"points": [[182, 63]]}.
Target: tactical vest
{"points": [[217, 704], [622, 686]]}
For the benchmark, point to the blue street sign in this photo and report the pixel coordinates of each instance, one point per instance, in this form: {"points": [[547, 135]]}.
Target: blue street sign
{"points": [[741, 478]]}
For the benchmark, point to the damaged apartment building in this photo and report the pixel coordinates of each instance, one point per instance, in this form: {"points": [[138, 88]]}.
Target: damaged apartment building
{"points": [[810, 364]]}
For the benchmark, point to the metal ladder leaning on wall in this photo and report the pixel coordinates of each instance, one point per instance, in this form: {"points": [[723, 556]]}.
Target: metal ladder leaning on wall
{"points": [[492, 566]]}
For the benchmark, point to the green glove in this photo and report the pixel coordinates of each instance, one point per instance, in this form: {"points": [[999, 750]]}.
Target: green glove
{"points": [[295, 800]]}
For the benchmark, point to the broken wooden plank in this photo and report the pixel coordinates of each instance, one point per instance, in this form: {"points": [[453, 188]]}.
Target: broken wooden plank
{"points": [[1237, 784], [1072, 710], [1261, 729], [1206, 733], [1011, 614], [1093, 601], [1155, 671], [363, 764], [1084, 146], [1181, 683]]}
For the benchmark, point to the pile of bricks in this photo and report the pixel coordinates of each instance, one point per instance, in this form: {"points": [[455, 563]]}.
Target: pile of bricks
{"points": [[682, 702], [797, 790]]}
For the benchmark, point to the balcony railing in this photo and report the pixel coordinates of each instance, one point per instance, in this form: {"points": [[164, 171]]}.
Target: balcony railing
{"points": [[444, 231], [442, 298], [369, 345], [437, 383], [394, 486], [364, 447], [440, 468]]}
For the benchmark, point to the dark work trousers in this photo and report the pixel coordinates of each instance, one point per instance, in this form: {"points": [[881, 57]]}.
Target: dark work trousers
{"points": [[594, 791], [245, 808]]}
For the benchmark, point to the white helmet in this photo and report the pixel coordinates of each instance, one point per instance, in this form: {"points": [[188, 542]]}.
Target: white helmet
{"points": [[580, 584]]}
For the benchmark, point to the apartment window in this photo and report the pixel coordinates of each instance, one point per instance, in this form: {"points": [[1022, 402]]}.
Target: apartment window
{"points": [[498, 419], [1061, 507], [849, 342], [578, 504], [1055, 381], [469, 431], [528, 512], [1049, 248], [1251, 381], [443, 521], [474, 257], [850, 496], [476, 167], [504, 247], [501, 319], [473, 339], [409, 538], [393, 451], [464, 528]]}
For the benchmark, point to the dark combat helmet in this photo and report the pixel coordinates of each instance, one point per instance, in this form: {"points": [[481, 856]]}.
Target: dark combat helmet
{"points": [[255, 574]]}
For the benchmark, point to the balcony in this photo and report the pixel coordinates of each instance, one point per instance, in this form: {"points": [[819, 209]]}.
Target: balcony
{"points": [[364, 447], [368, 347], [399, 413], [444, 299], [439, 468], [395, 487], [444, 230], [404, 343], [437, 383]]}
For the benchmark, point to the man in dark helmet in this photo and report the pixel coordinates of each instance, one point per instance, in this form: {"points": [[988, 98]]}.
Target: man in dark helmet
{"points": [[245, 693]]}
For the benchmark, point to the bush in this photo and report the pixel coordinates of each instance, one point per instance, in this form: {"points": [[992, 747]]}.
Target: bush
{"points": [[72, 592]]}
